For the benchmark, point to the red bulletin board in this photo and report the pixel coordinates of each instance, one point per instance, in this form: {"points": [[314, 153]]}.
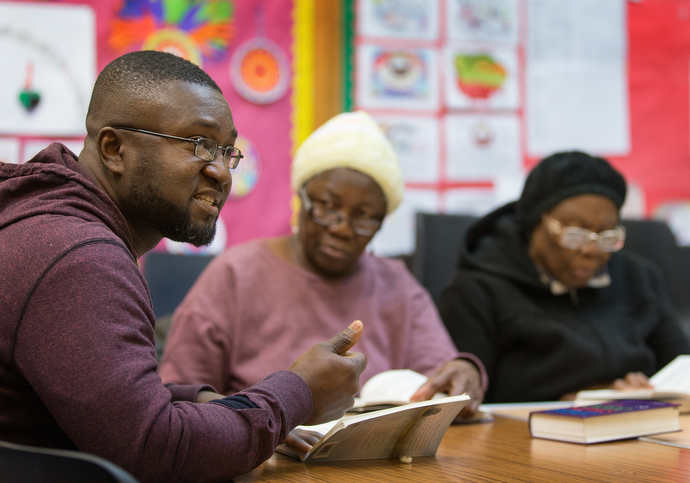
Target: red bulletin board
{"points": [[658, 75], [659, 84]]}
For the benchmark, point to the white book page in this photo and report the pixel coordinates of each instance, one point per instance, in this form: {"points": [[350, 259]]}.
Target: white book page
{"points": [[675, 377], [671, 382], [395, 386]]}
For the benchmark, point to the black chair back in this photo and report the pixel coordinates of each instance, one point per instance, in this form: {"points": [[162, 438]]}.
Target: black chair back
{"points": [[170, 277], [29, 464], [438, 238]]}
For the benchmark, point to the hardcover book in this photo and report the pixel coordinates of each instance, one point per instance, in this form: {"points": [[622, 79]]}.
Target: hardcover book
{"points": [[621, 419]]}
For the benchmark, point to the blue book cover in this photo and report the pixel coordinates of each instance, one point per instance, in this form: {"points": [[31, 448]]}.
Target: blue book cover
{"points": [[605, 409]]}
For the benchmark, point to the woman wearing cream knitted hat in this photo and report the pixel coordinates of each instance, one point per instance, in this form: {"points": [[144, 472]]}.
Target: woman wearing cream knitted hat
{"points": [[259, 305]]}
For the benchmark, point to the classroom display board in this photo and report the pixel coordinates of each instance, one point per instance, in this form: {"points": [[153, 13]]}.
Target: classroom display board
{"points": [[53, 50], [473, 93]]}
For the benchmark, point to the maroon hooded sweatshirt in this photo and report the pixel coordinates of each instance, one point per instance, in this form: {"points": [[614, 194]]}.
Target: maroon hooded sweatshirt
{"points": [[77, 350]]}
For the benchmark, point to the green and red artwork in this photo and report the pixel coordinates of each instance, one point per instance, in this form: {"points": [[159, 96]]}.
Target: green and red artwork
{"points": [[28, 97], [479, 75]]}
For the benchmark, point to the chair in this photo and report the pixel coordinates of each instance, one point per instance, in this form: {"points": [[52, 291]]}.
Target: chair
{"points": [[169, 278], [654, 240], [438, 238], [29, 464]]}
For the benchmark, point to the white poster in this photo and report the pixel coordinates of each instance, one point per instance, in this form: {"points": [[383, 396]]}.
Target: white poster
{"points": [[48, 68], [470, 201], [482, 147], [9, 150], [395, 78], [397, 235], [481, 77], [31, 148], [576, 83], [416, 142], [405, 19], [492, 20]]}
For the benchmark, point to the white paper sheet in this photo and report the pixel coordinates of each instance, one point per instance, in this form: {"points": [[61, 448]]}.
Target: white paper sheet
{"points": [[493, 20], [31, 148], [470, 201], [396, 78], [576, 84], [416, 141], [462, 89], [397, 235], [407, 19], [9, 150], [54, 64], [481, 147]]}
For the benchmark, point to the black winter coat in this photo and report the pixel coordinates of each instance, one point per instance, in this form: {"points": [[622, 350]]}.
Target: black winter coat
{"points": [[537, 346]]}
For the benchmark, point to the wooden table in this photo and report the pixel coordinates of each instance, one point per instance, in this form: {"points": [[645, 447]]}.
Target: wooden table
{"points": [[502, 451]]}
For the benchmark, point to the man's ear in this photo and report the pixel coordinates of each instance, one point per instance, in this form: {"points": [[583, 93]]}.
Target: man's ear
{"points": [[109, 145]]}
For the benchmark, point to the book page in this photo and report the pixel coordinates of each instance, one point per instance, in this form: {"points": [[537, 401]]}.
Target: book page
{"points": [[675, 377], [393, 387], [680, 439], [671, 382]]}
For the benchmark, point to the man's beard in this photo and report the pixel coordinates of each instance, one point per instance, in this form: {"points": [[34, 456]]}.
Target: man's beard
{"points": [[177, 226], [152, 210]]}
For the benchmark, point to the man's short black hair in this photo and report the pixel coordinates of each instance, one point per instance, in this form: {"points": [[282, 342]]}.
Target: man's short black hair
{"points": [[145, 69], [140, 74]]}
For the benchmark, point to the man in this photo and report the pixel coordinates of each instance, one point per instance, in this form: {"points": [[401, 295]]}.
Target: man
{"points": [[77, 349]]}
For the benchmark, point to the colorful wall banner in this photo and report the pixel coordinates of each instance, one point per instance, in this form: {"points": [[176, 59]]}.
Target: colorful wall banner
{"points": [[245, 46]]}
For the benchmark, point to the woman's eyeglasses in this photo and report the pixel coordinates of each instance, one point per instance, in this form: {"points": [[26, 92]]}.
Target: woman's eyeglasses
{"points": [[576, 238], [328, 217]]}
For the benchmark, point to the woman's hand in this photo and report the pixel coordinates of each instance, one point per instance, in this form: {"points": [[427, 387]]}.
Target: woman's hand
{"points": [[302, 440], [632, 380], [456, 377]]}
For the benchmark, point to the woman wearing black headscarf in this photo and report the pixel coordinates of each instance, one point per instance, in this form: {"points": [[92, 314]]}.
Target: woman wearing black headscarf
{"points": [[544, 299]]}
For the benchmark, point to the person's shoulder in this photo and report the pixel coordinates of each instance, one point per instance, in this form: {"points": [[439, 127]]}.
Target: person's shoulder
{"points": [[628, 261], [385, 265], [247, 250], [247, 258], [392, 272]]}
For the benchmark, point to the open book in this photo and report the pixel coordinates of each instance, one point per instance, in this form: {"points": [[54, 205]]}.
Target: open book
{"points": [[395, 388], [413, 429], [388, 389], [672, 383]]}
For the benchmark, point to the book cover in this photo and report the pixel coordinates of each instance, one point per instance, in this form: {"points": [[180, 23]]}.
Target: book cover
{"points": [[621, 419], [614, 407]]}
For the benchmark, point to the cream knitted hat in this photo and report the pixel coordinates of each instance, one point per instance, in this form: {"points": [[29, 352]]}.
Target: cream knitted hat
{"points": [[351, 140]]}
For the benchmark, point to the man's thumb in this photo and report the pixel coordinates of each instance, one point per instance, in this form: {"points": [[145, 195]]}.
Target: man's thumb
{"points": [[344, 341]]}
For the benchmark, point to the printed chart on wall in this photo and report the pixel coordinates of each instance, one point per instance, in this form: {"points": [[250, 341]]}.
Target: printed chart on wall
{"points": [[442, 78], [468, 90]]}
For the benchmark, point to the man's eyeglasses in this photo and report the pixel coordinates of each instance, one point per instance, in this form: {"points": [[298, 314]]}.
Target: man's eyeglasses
{"points": [[328, 217], [576, 238], [204, 148]]}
